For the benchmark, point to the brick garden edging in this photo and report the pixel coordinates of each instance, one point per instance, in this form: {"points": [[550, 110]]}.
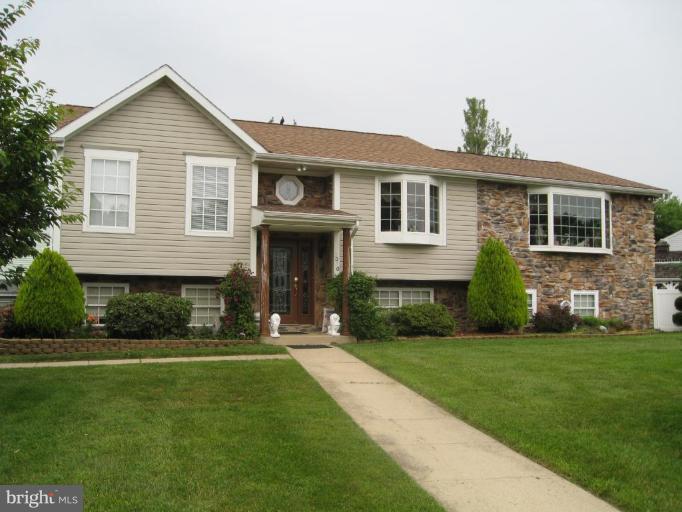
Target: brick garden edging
{"points": [[57, 346]]}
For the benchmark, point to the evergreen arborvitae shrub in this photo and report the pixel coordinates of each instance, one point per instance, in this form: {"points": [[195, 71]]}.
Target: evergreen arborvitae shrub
{"points": [[497, 296], [50, 301]]}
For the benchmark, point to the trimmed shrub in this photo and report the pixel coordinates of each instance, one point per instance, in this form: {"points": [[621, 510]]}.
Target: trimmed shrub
{"points": [[147, 315], [423, 320], [678, 303], [367, 320], [554, 318], [617, 324], [677, 318], [591, 321], [497, 295], [50, 301], [237, 290]]}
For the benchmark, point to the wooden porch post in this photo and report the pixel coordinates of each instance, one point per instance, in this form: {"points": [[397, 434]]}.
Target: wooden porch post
{"points": [[345, 319], [265, 280]]}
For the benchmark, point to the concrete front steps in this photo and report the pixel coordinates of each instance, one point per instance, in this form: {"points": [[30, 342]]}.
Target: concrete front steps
{"points": [[313, 338]]}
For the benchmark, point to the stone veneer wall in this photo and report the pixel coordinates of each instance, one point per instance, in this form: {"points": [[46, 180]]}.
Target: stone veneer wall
{"points": [[317, 191], [624, 279]]}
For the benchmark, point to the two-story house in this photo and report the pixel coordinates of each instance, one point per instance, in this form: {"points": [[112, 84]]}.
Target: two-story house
{"points": [[174, 191]]}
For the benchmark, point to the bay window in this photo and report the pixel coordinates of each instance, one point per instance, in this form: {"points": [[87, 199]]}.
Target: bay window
{"points": [[569, 220], [409, 210]]}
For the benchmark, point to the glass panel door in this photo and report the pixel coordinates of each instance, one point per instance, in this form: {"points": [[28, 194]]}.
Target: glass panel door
{"points": [[280, 281]]}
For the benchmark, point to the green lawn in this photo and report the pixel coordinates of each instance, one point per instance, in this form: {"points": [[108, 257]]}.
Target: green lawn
{"points": [[230, 350], [194, 436], [605, 412]]}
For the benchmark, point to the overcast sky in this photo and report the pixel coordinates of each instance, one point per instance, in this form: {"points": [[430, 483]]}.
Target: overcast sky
{"points": [[592, 83]]}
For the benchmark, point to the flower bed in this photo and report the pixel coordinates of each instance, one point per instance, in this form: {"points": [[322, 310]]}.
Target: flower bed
{"points": [[56, 346]]}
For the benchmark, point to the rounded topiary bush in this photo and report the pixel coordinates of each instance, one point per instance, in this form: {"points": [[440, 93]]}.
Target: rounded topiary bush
{"points": [[677, 317], [497, 296], [423, 320], [50, 301], [147, 315]]}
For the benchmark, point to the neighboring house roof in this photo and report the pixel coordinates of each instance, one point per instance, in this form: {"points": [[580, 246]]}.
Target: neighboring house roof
{"points": [[71, 113], [330, 146], [674, 241]]}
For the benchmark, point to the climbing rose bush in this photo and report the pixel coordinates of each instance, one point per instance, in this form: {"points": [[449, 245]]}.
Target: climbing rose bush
{"points": [[237, 290]]}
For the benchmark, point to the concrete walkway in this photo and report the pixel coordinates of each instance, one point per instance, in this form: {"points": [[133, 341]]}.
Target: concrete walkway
{"points": [[464, 469], [56, 364]]}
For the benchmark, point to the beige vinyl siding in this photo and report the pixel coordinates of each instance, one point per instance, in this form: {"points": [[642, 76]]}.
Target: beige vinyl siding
{"points": [[455, 261], [164, 127]]}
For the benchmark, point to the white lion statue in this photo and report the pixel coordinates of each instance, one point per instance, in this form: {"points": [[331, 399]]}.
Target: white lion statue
{"points": [[334, 324], [274, 325]]}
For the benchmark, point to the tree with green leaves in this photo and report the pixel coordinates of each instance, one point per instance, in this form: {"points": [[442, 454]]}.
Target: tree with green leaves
{"points": [[486, 137], [496, 297], [32, 192], [667, 216]]}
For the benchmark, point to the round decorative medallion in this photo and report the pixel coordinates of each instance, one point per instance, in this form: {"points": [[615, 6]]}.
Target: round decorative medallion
{"points": [[289, 190]]}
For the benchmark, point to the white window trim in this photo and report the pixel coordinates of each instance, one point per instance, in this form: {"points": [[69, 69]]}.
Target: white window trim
{"points": [[183, 293], [403, 236], [126, 289], [230, 164], [298, 197], [109, 154], [534, 299], [550, 191], [586, 292], [400, 291]]}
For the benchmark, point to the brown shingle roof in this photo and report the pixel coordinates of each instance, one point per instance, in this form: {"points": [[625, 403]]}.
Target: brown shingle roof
{"points": [[379, 148], [400, 150]]}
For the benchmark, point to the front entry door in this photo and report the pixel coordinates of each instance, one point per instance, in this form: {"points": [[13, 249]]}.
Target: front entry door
{"points": [[291, 281]]}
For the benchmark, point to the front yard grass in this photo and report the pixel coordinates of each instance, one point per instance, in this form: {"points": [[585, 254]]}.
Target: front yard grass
{"points": [[230, 350], [605, 412], [258, 435]]}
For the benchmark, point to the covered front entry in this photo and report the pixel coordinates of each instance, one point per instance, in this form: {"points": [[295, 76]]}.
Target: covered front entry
{"points": [[294, 246], [292, 276]]}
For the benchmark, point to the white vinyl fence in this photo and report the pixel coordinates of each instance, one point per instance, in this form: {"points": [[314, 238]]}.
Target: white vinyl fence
{"points": [[664, 309]]}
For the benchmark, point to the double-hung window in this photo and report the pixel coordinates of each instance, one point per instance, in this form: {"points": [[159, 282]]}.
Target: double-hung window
{"points": [[409, 210], [207, 306], [210, 196], [109, 191], [569, 220], [97, 297], [396, 297], [585, 303], [531, 302]]}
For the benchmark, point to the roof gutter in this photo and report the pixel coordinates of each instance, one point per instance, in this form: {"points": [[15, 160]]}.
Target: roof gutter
{"points": [[488, 176]]}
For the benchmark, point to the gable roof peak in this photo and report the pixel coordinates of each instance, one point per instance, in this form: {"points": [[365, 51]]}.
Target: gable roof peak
{"points": [[140, 86]]}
